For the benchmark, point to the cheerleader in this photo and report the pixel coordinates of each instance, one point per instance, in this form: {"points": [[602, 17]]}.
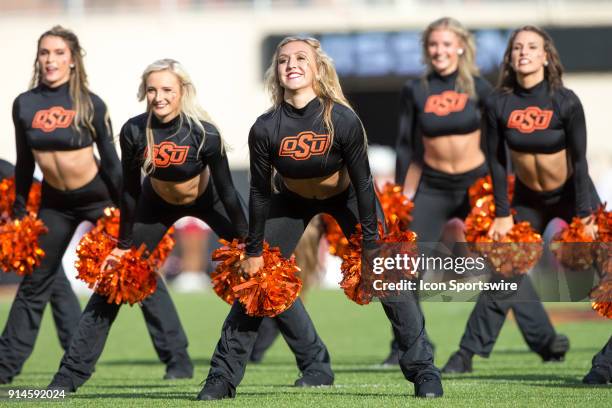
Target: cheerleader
{"points": [[187, 174], [56, 124], [65, 305], [316, 145], [543, 125], [439, 152]]}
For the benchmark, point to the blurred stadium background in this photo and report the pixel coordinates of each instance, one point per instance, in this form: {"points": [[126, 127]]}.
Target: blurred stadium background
{"points": [[226, 46]]}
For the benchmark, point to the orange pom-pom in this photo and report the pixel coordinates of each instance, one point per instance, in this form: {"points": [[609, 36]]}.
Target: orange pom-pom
{"points": [[572, 255], [396, 206], [603, 248], [338, 243], [132, 277], [357, 287], [484, 187], [274, 287], [129, 280], [516, 253], [163, 249], [602, 297], [226, 274], [7, 196], [19, 250]]}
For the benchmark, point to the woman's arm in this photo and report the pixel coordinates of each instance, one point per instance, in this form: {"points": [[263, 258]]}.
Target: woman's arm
{"points": [[130, 164], [24, 167], [222, 177], [259, 198], [496, 156], [354, 154], [409, 146], [110, 167]]}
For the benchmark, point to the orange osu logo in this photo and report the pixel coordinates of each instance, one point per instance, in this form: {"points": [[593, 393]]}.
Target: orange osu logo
{"points": [[168, 153], [529, 119], [50, 119], [304, 145], [445, 103]]}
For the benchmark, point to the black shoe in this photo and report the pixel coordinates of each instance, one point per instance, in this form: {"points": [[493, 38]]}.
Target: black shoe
{"points": [[179, 371], [216, 388], [177, 374], [5, 380], [314, 379], [557, 349], [596, 377], [393, 358], [61, 382], [428, 386], [458, 363], [256, 357]]}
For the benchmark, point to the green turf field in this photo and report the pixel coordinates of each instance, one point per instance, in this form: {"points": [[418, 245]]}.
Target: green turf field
{"points": [[129, 373]]}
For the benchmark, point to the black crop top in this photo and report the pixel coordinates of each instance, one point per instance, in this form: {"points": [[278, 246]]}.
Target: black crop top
{"points": [[432, 107], [536, 121], [296, 143], [43, 119], [177, 157]]}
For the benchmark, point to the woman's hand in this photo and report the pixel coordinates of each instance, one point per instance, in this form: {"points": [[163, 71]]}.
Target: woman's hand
{"points": [[112, 258], [500, 227], [250, 265], [590, 226]]}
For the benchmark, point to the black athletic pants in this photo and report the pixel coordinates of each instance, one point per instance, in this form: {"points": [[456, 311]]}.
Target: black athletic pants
{"points": [[288, 217], [439, 198], [489, 313]]}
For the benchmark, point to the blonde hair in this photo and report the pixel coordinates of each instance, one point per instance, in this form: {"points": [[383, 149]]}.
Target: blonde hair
{"points": [[191, 111], [326, 84], [466, 67], [80, 95]]}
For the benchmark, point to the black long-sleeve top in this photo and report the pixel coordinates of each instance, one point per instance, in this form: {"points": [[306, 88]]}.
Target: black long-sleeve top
{"points": [[296, 143], [178, 156], [43, 119], [536, 121], [431, 107]]}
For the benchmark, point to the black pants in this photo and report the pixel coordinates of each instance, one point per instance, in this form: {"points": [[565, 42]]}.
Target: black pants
{"points": [[154, 217], [489, 313], [62, 212], [288, 217], [603, 360], [65, 305], [439, 198]]}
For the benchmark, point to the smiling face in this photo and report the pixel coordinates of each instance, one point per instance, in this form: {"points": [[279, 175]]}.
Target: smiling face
{"points": [[54, 60], [163, 90], [296, 66], [443, 51], [528, 55]]}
